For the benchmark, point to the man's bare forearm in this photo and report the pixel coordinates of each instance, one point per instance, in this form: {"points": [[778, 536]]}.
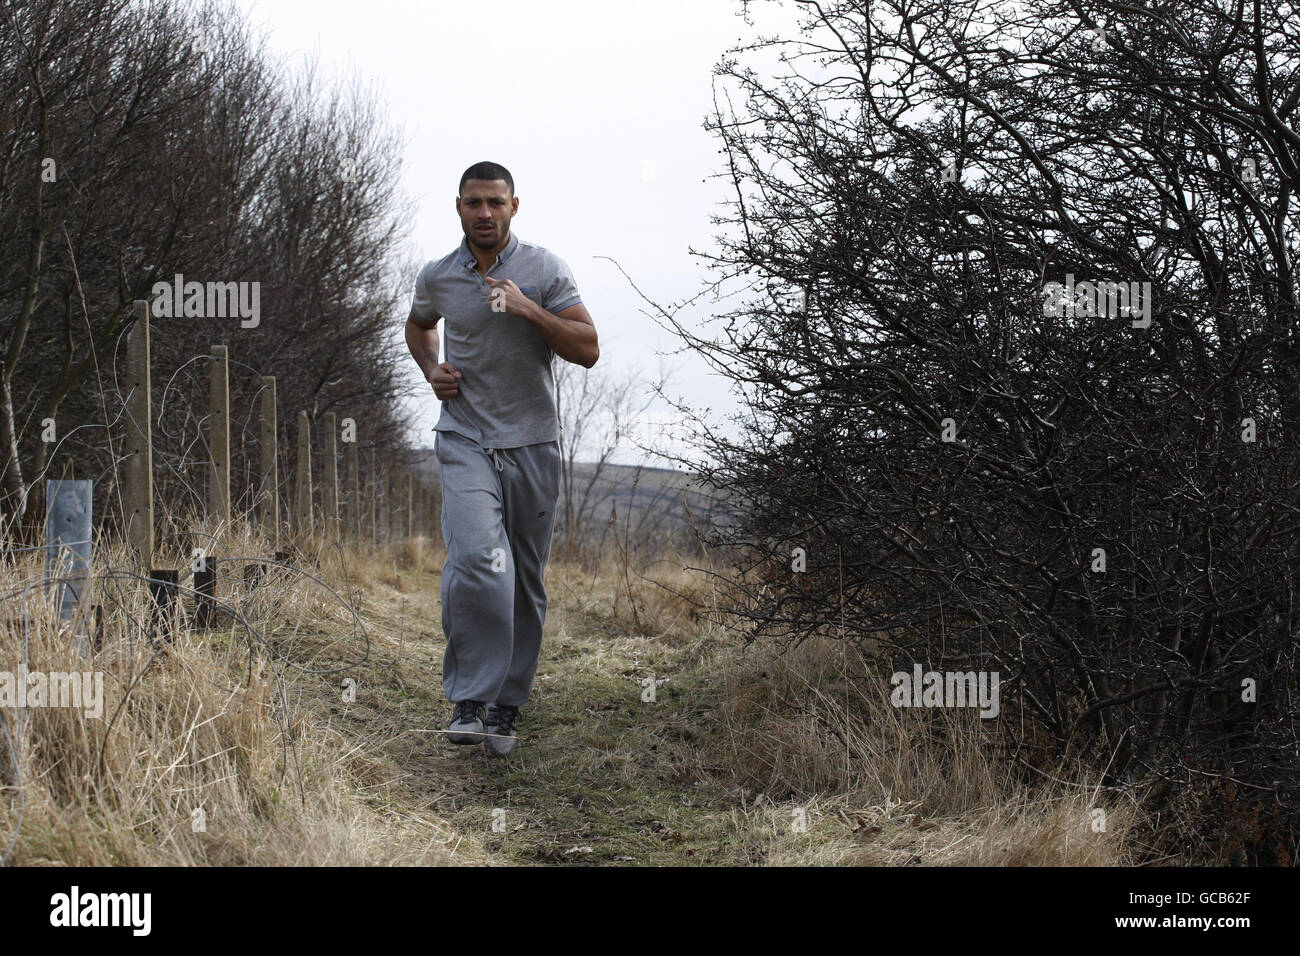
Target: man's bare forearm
{"points": [[572, 341], [423, 343]]}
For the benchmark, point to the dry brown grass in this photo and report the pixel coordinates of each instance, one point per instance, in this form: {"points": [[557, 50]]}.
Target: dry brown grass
{"points": [[812, 731], [750, 756], [195, 724]]}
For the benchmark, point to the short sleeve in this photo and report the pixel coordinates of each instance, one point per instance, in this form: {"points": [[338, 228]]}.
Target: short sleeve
{"points": [[422, 305], [561, 290]]}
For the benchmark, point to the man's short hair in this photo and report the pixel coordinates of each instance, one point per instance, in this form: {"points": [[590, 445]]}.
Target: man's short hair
{"points": [[488, 172]]}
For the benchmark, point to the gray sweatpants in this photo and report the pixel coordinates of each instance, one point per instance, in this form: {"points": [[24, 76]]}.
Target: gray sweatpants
{"points": [[498, 512]]}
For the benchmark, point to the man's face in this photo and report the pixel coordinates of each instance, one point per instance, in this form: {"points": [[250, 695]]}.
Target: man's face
{"points": [[486, 208]]}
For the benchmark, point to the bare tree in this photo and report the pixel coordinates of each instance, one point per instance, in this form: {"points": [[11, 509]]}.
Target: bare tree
{"points": [[596, 416], [142, 140], [1020, 351]]}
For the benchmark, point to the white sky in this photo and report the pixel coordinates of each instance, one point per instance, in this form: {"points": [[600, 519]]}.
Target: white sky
{"points": [[597, 110]]}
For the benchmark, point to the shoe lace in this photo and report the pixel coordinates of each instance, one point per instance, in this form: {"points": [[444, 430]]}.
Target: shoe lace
{"points": [[506, 717], [468, 710]]}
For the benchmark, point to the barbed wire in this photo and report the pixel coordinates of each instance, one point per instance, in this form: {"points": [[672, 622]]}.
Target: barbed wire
{"points": [[255, 613]]}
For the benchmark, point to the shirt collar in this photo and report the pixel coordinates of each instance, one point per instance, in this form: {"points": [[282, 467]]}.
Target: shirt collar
{"points": [[467, 255]]}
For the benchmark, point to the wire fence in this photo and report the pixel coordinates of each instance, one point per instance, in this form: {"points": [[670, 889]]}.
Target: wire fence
{"points": [[273, 571]]}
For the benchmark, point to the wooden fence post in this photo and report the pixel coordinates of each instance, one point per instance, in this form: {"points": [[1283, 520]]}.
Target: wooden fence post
{"points": [[410, 501], [268, 498], [391, 502], [371, 483], [303, 490], [138, 448], [219, 435], [353, 490], [331, 477]]}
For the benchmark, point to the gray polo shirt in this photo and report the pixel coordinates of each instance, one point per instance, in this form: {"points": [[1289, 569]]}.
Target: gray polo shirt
{"points": [[507, 383]]}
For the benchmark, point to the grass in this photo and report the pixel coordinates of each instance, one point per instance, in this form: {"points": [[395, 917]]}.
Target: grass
{"points": [[744, 756]]}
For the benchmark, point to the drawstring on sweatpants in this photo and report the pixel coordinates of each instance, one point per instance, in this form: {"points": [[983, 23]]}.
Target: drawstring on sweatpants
{"points": [[492, 453]]}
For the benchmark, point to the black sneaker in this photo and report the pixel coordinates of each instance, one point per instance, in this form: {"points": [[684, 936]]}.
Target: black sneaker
{"points": [[467, 722], [500, 727]]}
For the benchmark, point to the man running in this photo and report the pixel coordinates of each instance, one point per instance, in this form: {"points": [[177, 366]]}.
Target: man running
{"points": [[509, 307]]}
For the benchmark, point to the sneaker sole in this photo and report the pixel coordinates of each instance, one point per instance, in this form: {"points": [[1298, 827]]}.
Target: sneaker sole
{"points": [[466, 734], [494, 743], [497, 746]]}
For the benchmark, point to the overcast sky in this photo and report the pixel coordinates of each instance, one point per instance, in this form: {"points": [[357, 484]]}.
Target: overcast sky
{"points": [[596, 108]]}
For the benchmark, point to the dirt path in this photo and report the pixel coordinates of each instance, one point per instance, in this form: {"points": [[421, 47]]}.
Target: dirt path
{"points": [[600, 776], [604, 776]]}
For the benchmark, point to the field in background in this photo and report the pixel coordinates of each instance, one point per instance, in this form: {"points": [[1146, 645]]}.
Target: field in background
{"points": [[652, 509]]}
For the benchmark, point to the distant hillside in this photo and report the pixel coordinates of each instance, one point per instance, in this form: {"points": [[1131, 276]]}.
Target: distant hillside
{"points": [[662, 499]]}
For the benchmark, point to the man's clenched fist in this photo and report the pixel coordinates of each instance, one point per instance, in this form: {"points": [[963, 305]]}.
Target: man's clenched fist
{"points": [[507, 297], [444, 382]]}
